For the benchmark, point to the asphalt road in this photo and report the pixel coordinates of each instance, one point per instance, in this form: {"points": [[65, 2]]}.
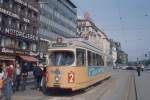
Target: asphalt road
{"points": [[121, 86]]}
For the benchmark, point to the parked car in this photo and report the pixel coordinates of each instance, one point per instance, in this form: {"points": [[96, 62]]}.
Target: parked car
{"points": [[147, 68], [130, 68], [124, 67]]}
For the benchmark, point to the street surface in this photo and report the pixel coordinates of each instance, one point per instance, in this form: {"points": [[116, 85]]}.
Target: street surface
{"points": [[121, 86]]}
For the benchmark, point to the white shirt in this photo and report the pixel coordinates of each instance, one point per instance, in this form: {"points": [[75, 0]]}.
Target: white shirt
{"points": [[1, 75], [18, 71]]}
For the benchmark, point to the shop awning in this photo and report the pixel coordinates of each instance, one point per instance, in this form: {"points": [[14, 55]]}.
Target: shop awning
{"points": [[29, 58]]}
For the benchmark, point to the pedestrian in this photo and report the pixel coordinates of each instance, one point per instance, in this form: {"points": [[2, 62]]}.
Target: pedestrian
{"points": [[142, 67], [17, 76], [1, 81], [139, 70], [37, 72], [43, 82], [24, 75], [8, 89]]}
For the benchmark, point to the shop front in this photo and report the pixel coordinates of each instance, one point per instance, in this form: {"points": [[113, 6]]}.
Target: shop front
{"points": [[26, 58], [7, 57]]}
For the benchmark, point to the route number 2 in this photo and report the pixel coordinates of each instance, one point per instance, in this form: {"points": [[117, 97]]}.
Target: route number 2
{"points": [[71, 77]]}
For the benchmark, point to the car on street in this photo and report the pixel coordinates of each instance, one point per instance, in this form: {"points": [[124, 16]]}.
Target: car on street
{"points": [[130, 68]]}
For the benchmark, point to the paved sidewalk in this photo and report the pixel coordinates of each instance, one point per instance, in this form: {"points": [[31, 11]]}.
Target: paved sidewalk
{"points": [[143, 85]]}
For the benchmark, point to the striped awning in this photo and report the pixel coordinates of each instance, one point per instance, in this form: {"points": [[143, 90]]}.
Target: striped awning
{"points": [[29, 58]]}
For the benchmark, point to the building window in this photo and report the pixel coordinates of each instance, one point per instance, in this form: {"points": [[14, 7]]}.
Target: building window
{"points": [[1, 1], [25, 27], [0, 18], [23, 45], [10, 5], [2, 42], [33, 47], [9, 21]]}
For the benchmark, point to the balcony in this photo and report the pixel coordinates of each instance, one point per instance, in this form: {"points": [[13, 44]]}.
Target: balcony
{"points": [[29, 4]]}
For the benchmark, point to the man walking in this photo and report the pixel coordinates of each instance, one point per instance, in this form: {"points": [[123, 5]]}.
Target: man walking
{"points": [[37, 72], [18, 76], [139, 70], [24, 74]]}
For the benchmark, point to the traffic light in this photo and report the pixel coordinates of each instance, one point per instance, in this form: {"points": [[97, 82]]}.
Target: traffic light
{"points": [[146, 55]]}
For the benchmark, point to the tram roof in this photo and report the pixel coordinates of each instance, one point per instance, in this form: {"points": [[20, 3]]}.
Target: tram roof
{"points": [[76, 43]]}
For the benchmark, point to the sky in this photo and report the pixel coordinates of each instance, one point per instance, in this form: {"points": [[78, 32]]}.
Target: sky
{"points": [[126, 21]]}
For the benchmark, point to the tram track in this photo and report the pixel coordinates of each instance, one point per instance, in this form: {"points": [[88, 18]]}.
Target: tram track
{"points": [[132, 90], [121, 86], [99, 90]]}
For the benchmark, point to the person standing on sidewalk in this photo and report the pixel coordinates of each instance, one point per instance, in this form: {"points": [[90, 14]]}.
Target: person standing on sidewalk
{"points": [[8, 87], [43, 82], [139, 70], [17, 77], [24, 75]]}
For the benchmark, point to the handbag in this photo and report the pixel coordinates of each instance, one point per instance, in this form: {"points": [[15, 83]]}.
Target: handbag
{"points": [[1, 83]]}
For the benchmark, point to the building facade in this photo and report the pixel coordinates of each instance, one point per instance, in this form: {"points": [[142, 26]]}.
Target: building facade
{"points": [[18, 30], [113, 52], [58, 18], [89, 31], [122, 57]]}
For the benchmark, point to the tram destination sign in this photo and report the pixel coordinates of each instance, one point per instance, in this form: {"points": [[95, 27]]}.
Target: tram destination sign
{"points": [[59, 45]]}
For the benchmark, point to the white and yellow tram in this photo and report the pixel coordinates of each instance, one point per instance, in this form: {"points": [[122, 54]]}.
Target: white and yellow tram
{"points": [[75, 64]]}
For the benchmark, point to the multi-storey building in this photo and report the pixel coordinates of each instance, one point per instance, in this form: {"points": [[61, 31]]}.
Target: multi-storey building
{"points": [[88, 30], [113, 52], [122, 57], [18, 30], [58, 18]]}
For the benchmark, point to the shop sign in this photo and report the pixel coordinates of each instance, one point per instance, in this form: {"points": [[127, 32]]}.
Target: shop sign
{"points": [[19, 33], [9, 13], [20, 52], [6, 50], [59, 45], [26, 20]]}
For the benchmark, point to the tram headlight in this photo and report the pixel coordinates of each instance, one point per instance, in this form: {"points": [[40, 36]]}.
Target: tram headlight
{"points": [[57, 78]]}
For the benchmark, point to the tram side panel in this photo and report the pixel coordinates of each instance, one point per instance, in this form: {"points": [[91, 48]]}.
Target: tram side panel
{"points": [[97, 74], [73, 78]]}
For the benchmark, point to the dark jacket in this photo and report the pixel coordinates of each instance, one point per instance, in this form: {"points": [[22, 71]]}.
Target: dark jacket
{"points": [[37, 71]]}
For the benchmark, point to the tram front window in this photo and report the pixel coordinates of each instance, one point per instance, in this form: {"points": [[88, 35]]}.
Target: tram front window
{"points": [[61, 58]]}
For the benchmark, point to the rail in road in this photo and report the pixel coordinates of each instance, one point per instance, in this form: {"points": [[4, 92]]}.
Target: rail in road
{"points": [[118, 87], [131, 91], [121, 86]]}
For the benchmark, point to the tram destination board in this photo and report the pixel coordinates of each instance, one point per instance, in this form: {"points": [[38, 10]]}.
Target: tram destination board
{"points": [[59, 45]]}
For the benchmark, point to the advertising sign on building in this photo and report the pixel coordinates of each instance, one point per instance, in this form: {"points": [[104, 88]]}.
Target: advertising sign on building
{"points": [[6, 50]]}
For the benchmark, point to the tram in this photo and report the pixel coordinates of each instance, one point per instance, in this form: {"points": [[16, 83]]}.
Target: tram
{"points": [[75, 64]]}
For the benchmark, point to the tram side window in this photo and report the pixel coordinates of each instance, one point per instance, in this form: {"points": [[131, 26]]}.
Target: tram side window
{"points": [[89, 59], [94, 59], [97, 60], [81, 57]]}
